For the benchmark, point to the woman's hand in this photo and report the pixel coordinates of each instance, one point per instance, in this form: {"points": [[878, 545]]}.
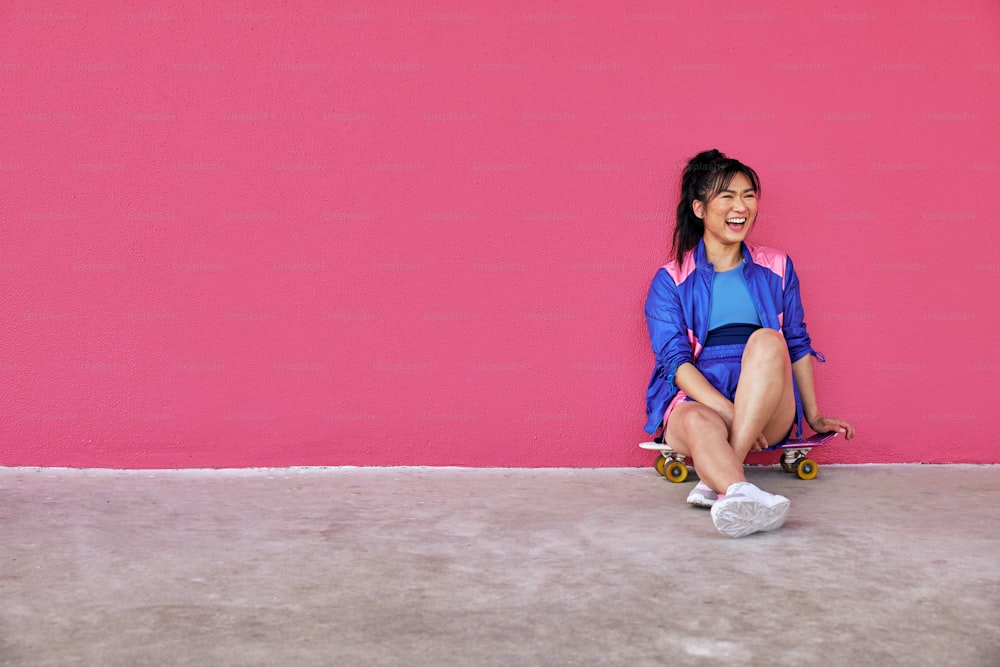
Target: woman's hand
{"points": [[759, 444], [727, 412], [822, 424]]}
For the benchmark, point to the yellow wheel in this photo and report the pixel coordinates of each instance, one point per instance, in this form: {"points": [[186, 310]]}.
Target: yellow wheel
{"points": [[806, 469], [676, 471], [659, 465]]}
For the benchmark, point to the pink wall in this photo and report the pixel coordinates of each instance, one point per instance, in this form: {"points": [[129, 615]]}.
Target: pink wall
{"points": [[304, 233]]}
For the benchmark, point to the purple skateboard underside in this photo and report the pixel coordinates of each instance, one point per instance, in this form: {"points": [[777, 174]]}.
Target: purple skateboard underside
{"points": [[811, 441]]}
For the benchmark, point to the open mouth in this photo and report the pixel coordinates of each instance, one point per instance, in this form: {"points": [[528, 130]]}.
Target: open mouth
{"points": [[736, 224]]}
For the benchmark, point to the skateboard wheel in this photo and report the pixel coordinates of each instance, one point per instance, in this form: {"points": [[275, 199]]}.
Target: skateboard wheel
{"points": [[806, 469], [660, 461], [676, 471], [785, 465]]}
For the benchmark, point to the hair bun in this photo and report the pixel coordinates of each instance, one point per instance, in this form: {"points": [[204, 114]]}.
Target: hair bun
{"points": [[701, 161]]}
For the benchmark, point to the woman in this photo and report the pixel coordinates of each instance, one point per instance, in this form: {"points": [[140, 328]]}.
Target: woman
{"points": [[733, 358]]}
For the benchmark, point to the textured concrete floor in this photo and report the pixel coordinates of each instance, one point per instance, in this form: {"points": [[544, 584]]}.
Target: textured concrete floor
{"points": [[877, 565]]}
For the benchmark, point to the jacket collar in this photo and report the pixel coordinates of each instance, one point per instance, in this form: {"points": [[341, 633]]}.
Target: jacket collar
{"points": [[701, 259]]}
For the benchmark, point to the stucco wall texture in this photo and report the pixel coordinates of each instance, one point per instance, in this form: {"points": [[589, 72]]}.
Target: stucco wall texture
{"points": [[304, 233]]}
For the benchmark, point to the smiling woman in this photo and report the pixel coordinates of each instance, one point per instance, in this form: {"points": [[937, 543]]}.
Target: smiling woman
{"points": [[733, 358], [729, 216], [709, 178]]}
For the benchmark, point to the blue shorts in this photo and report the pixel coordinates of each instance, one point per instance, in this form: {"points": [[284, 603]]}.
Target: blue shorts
{"points": [[720, 364]]}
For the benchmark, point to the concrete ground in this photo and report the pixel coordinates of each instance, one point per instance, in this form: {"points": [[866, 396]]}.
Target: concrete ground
{"points": [[876, 565]]}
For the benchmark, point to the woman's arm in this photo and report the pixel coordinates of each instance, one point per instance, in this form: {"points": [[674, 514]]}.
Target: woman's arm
{"points": [[803, 371], [800, 349], [694, 384]]}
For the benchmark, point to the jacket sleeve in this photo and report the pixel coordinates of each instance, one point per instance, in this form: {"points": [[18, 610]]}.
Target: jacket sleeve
{"points": [[793, 324], [668, 331]]}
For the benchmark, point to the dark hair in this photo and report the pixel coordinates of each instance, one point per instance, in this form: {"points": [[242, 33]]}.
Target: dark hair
{"points": [[706, 175]]}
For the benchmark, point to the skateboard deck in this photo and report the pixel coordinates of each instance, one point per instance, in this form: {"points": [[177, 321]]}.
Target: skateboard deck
{"points": [[794, 457]]}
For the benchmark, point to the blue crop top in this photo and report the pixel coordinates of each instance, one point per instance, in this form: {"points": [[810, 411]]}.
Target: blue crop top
{"points": [[732, 310]]}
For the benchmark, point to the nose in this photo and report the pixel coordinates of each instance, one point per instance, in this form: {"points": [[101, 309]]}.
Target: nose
{"points": [[740, 205]]}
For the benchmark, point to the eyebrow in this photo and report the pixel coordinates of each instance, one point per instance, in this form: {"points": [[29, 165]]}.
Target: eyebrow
{"points": [[734, 191]]}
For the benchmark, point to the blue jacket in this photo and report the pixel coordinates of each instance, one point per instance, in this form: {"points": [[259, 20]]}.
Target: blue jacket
{"points": [[677, 311]]}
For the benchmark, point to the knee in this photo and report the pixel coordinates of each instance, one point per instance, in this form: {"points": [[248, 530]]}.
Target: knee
{"points": [[767, 343], [699, 419]]}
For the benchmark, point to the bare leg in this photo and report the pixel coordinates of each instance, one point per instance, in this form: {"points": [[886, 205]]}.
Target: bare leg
{"points": [[765, 398], [698, 431]]}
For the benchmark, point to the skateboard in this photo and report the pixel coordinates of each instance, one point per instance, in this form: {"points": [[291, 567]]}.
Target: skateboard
{"points": [[794, 457]]}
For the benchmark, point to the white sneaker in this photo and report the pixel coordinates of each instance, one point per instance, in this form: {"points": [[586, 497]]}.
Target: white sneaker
{"points": [[746, 509], [702, 495]]}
